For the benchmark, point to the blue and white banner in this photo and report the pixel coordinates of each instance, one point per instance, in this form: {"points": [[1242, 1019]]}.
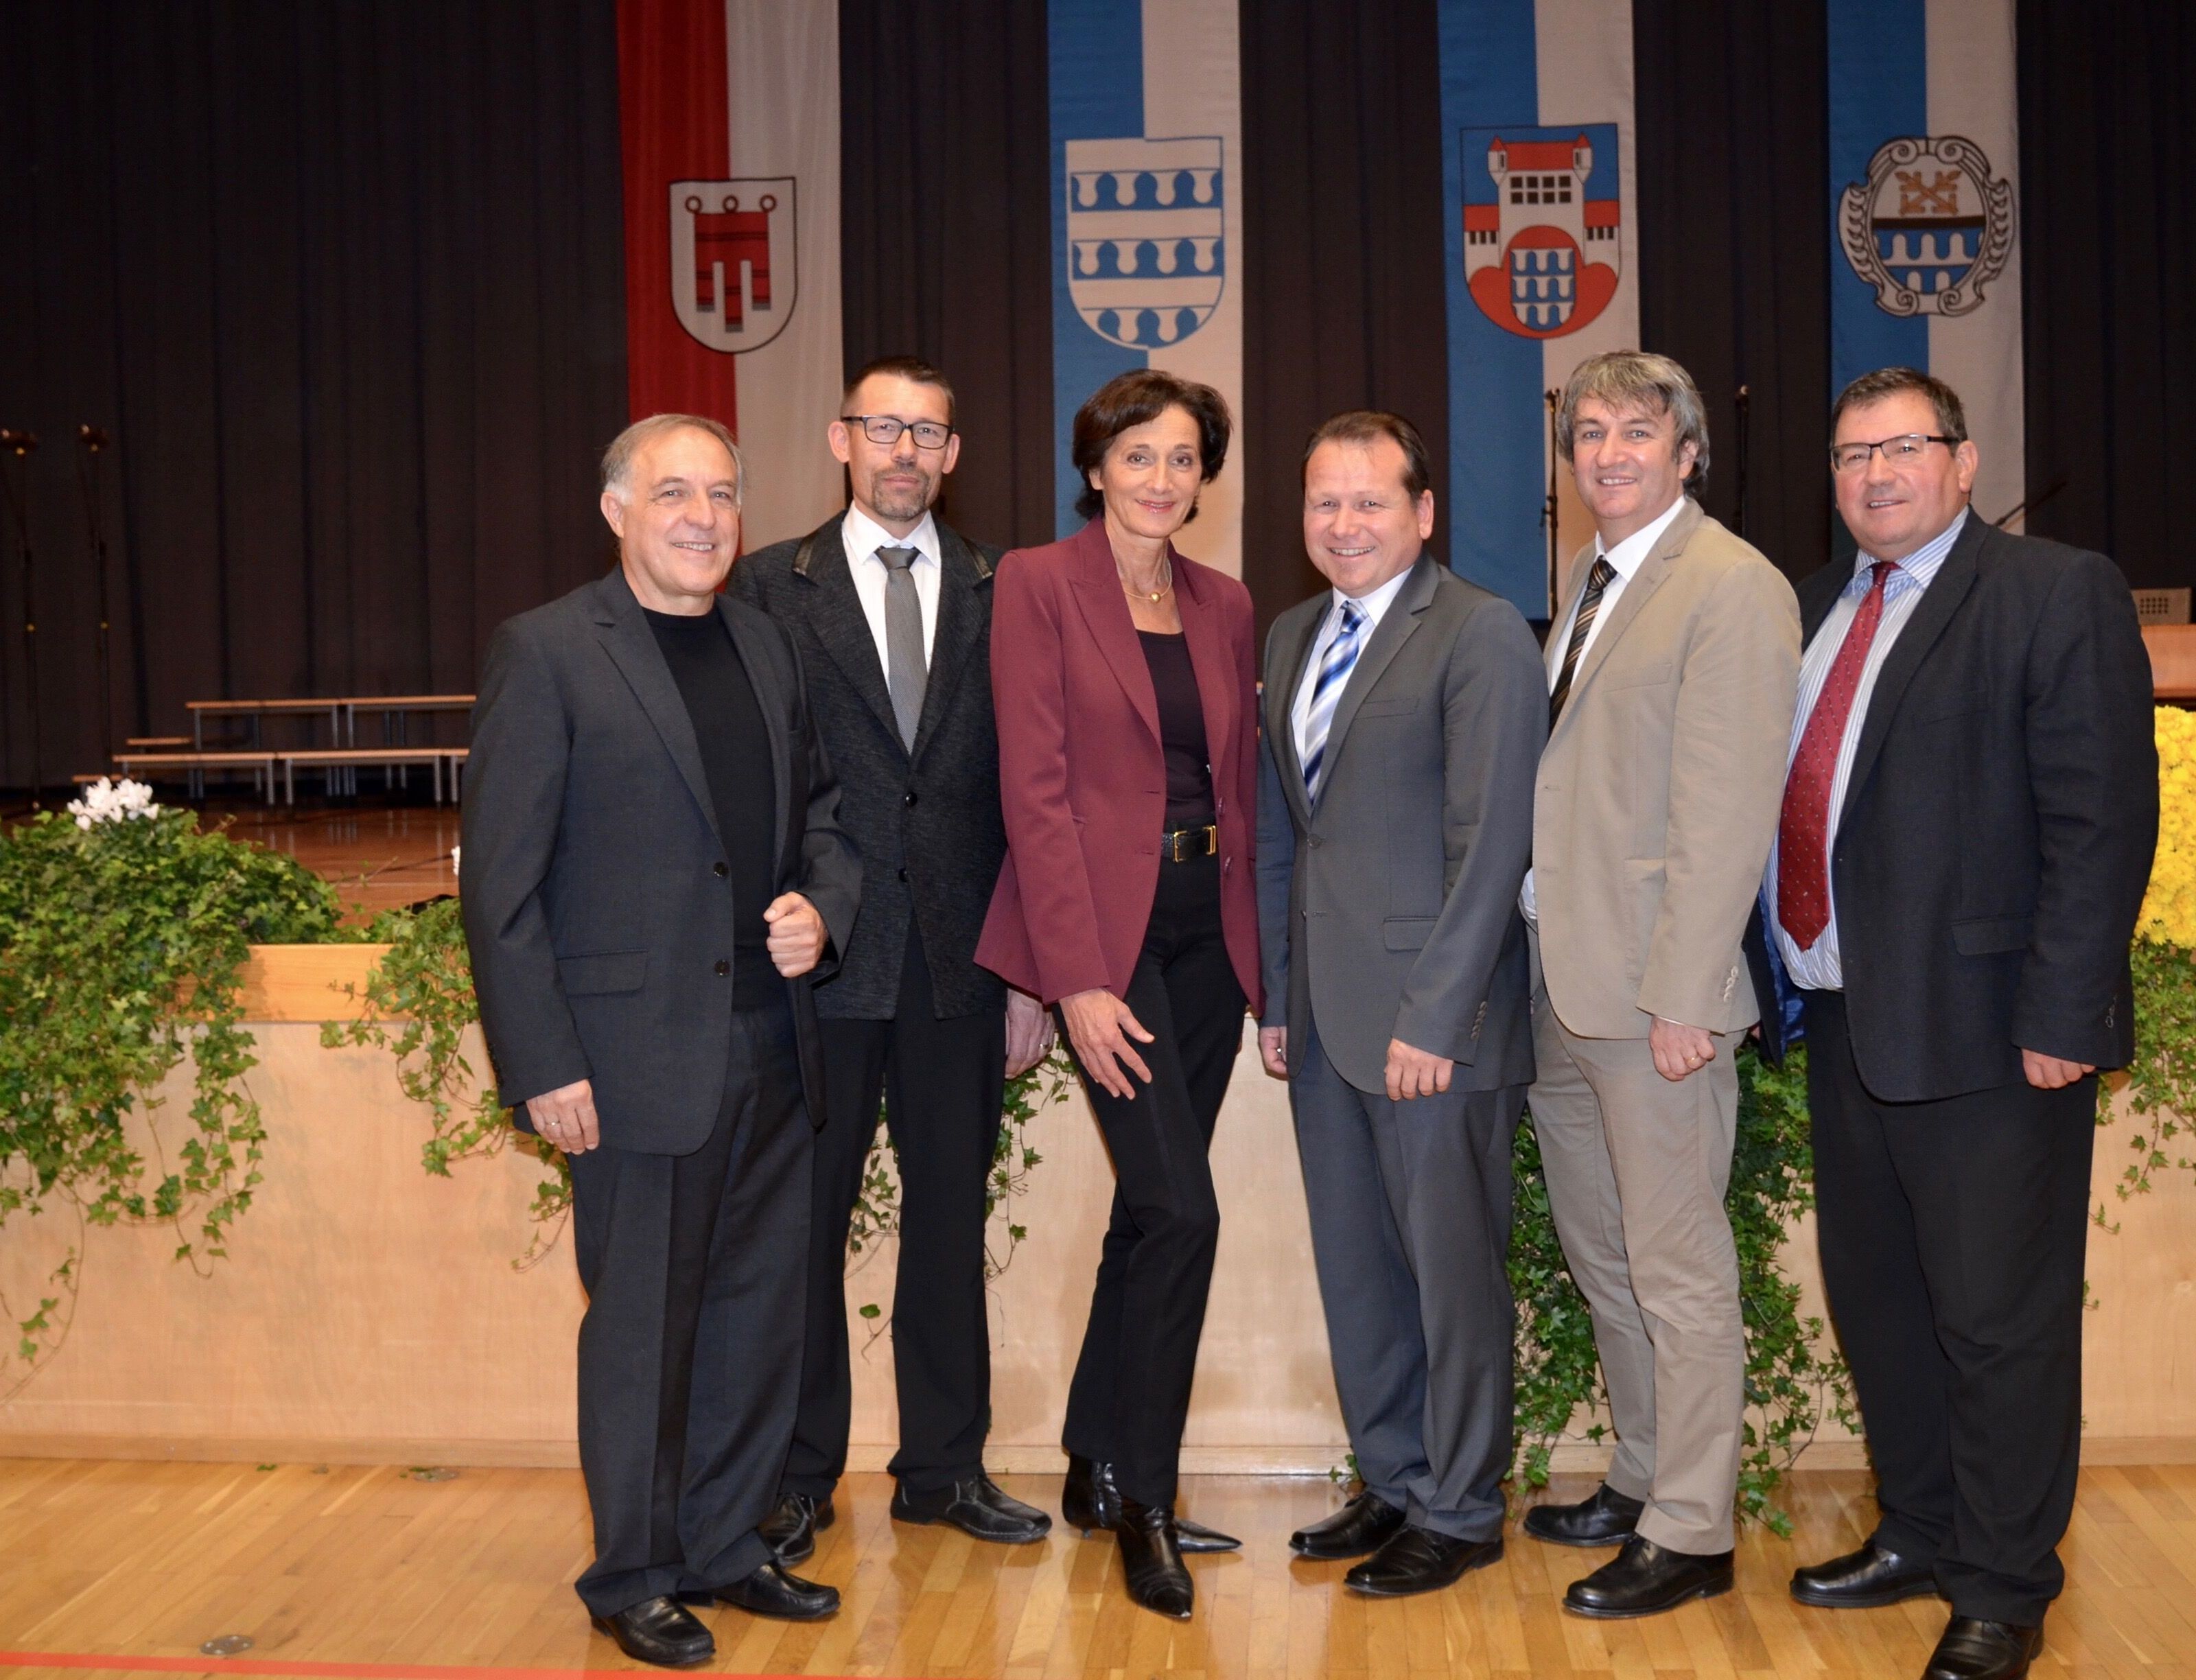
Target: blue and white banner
{"points": [[1925, 269], [1146, 218], [1542, 254]]}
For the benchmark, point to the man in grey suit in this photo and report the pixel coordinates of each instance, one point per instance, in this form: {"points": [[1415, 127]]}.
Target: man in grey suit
{"points": [[1404, 716], [654, 874]]}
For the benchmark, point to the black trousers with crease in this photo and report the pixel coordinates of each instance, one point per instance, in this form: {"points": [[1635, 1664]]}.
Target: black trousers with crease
{"points": [[1130, 1394]]}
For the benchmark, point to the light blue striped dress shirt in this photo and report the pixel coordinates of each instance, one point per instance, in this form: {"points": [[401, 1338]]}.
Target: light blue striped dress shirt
{"points": [[1819, 969]]}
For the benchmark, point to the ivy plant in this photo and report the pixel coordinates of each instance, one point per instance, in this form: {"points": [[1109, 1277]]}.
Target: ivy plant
{"points": [[123, 939]]}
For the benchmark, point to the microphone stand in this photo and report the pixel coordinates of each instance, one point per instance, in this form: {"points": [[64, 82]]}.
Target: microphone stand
{"points": [[2031, 504], [94, 440], [1744, 400], [20, 444], [1548, 508]]}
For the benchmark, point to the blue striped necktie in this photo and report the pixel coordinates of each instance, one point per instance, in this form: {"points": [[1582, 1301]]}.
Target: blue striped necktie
{"points": [[1327, 692]]}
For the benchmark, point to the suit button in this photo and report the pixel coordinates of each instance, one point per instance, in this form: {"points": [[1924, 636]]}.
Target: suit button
{"points": [[903, 874], [909, 798], [721, 869], [723, 967]]}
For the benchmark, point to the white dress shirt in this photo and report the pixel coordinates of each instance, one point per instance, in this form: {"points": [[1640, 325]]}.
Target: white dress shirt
{"points": [[1624, 560], [1376, 604], [1820, 967], [863, 537]]}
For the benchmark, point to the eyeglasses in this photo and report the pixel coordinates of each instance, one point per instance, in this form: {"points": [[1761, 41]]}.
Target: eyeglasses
{"points": [[1904, 450], [885, 429]]}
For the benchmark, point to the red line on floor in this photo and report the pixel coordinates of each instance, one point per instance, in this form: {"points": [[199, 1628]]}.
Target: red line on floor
{"points": [[313, 1670]]}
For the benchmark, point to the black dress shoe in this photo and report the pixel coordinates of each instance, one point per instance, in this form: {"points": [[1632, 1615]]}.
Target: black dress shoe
{"points": [[1418, 1559], [662, 1632], [791, 1529], [1362, 1525], [1864, 1581], [1645, 1578], [977, 1507], [770, 1591], [1973, 1650], [1091, 1500], [1604, 1520], [1151, 1561]]}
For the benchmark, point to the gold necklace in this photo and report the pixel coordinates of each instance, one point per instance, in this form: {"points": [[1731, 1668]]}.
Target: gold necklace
{"points": [[1153, 596]]}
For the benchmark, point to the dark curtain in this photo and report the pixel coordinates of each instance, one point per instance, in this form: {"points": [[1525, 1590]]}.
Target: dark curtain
{"points": [[1344, 304], [2108, 267], [1734, 247], [345, 284], [945, 213]]}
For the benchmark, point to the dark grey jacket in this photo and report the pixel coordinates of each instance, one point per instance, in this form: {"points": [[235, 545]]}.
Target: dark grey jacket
{"points": [[1389, 908], [596, 907], [927, 824]]}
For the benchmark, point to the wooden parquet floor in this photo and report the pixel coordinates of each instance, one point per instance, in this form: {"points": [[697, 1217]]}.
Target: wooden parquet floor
{"points": [[370, 1573]]}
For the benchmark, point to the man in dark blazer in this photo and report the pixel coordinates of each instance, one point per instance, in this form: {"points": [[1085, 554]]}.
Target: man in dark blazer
{"points": [[1404, 718], [1968, 825], [892, 612], [654, 874]]}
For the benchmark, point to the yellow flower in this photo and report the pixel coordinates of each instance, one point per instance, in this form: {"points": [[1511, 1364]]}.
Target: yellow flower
{"points": [[2169, 908]]}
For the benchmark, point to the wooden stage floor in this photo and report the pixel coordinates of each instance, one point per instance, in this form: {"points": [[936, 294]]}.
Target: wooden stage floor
{"points": [[370, 1573], [379, 856]]}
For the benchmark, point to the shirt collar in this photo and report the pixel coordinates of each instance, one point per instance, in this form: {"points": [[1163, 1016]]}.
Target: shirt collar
{"points": [[1628, 555], [1375, 602], [863, 537], [1924, 562]]}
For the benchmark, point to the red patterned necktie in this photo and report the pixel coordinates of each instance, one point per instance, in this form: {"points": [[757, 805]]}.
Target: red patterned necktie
{"points": [[1803, 862]]}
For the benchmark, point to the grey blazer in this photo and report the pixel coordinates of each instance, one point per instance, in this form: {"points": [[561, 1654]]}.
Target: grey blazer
{"points": [[1389, 908], [596, 910], [927, 824]]}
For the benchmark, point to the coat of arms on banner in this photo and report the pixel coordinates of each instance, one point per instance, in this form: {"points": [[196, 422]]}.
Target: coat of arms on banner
{"points": [[1930, 228], [1541, 218], [733, 273], [1146, 261]]}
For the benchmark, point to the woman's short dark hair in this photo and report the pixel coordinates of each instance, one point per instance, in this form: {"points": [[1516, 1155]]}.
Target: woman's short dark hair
{"points": [[1134, 399]]}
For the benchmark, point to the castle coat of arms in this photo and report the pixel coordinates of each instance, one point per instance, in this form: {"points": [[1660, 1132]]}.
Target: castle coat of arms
{"points": [[1930, 228], [1146, 260], [1541, 217], [733, 273]]}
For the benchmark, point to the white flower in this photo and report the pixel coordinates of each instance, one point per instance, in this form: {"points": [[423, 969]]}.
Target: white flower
{"points": [[454, 851], [106, 801]]}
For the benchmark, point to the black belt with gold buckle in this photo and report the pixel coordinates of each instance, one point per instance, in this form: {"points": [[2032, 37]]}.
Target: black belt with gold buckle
{"points": [[1179, 845]]}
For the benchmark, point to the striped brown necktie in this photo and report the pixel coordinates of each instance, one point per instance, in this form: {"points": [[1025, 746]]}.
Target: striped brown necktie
{"points": [[1589, 604]]}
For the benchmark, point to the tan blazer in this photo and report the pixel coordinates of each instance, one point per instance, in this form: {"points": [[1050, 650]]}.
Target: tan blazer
{"points": [[1660, 788]]}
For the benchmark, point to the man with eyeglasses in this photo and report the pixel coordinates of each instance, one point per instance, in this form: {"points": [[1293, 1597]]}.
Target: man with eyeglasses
{"points": [[1969, 817], [891, 611]]}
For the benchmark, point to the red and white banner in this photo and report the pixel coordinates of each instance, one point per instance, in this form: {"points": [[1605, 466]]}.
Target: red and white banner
{"points": [[729, 115]]}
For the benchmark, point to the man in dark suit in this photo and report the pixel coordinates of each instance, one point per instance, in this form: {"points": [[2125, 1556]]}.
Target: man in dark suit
{"points": [[892, 612], [654, 873], [1404, 718], [1967, 824]]}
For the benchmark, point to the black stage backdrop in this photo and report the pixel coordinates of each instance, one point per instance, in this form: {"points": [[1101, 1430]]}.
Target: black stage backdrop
{"points": [[346, 284]]}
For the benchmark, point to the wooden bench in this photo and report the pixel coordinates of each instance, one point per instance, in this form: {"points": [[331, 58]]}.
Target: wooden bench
{"points": [[195, 764], [341, 764]]}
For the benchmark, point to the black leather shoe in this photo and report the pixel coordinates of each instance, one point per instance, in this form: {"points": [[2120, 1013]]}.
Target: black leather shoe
{"points": [[1645, 1578], [1364, 1524], [1418, 1559], [977, 1507], [770, 1591], [662, 1632], [791, 1529], [1151, 1562], [1091, 1500], [1973, 1650], [1604, 1520], [1864, 1581]]}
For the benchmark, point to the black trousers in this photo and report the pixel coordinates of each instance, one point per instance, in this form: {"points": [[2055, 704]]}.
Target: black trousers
{"points": [[693, 1266], [1953, 1237], [1131, 1395], [941, 1083]]}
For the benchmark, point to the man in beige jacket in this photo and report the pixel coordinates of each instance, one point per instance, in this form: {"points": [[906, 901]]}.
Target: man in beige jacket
{"points": [[1673, 665]]}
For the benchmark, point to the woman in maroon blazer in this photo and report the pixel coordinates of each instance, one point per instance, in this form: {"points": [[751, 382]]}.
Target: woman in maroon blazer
{"points": [[1123, 677]]}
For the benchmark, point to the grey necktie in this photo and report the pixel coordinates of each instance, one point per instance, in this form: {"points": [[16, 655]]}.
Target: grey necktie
{"points": [[1597, 581], [907, 669]]}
